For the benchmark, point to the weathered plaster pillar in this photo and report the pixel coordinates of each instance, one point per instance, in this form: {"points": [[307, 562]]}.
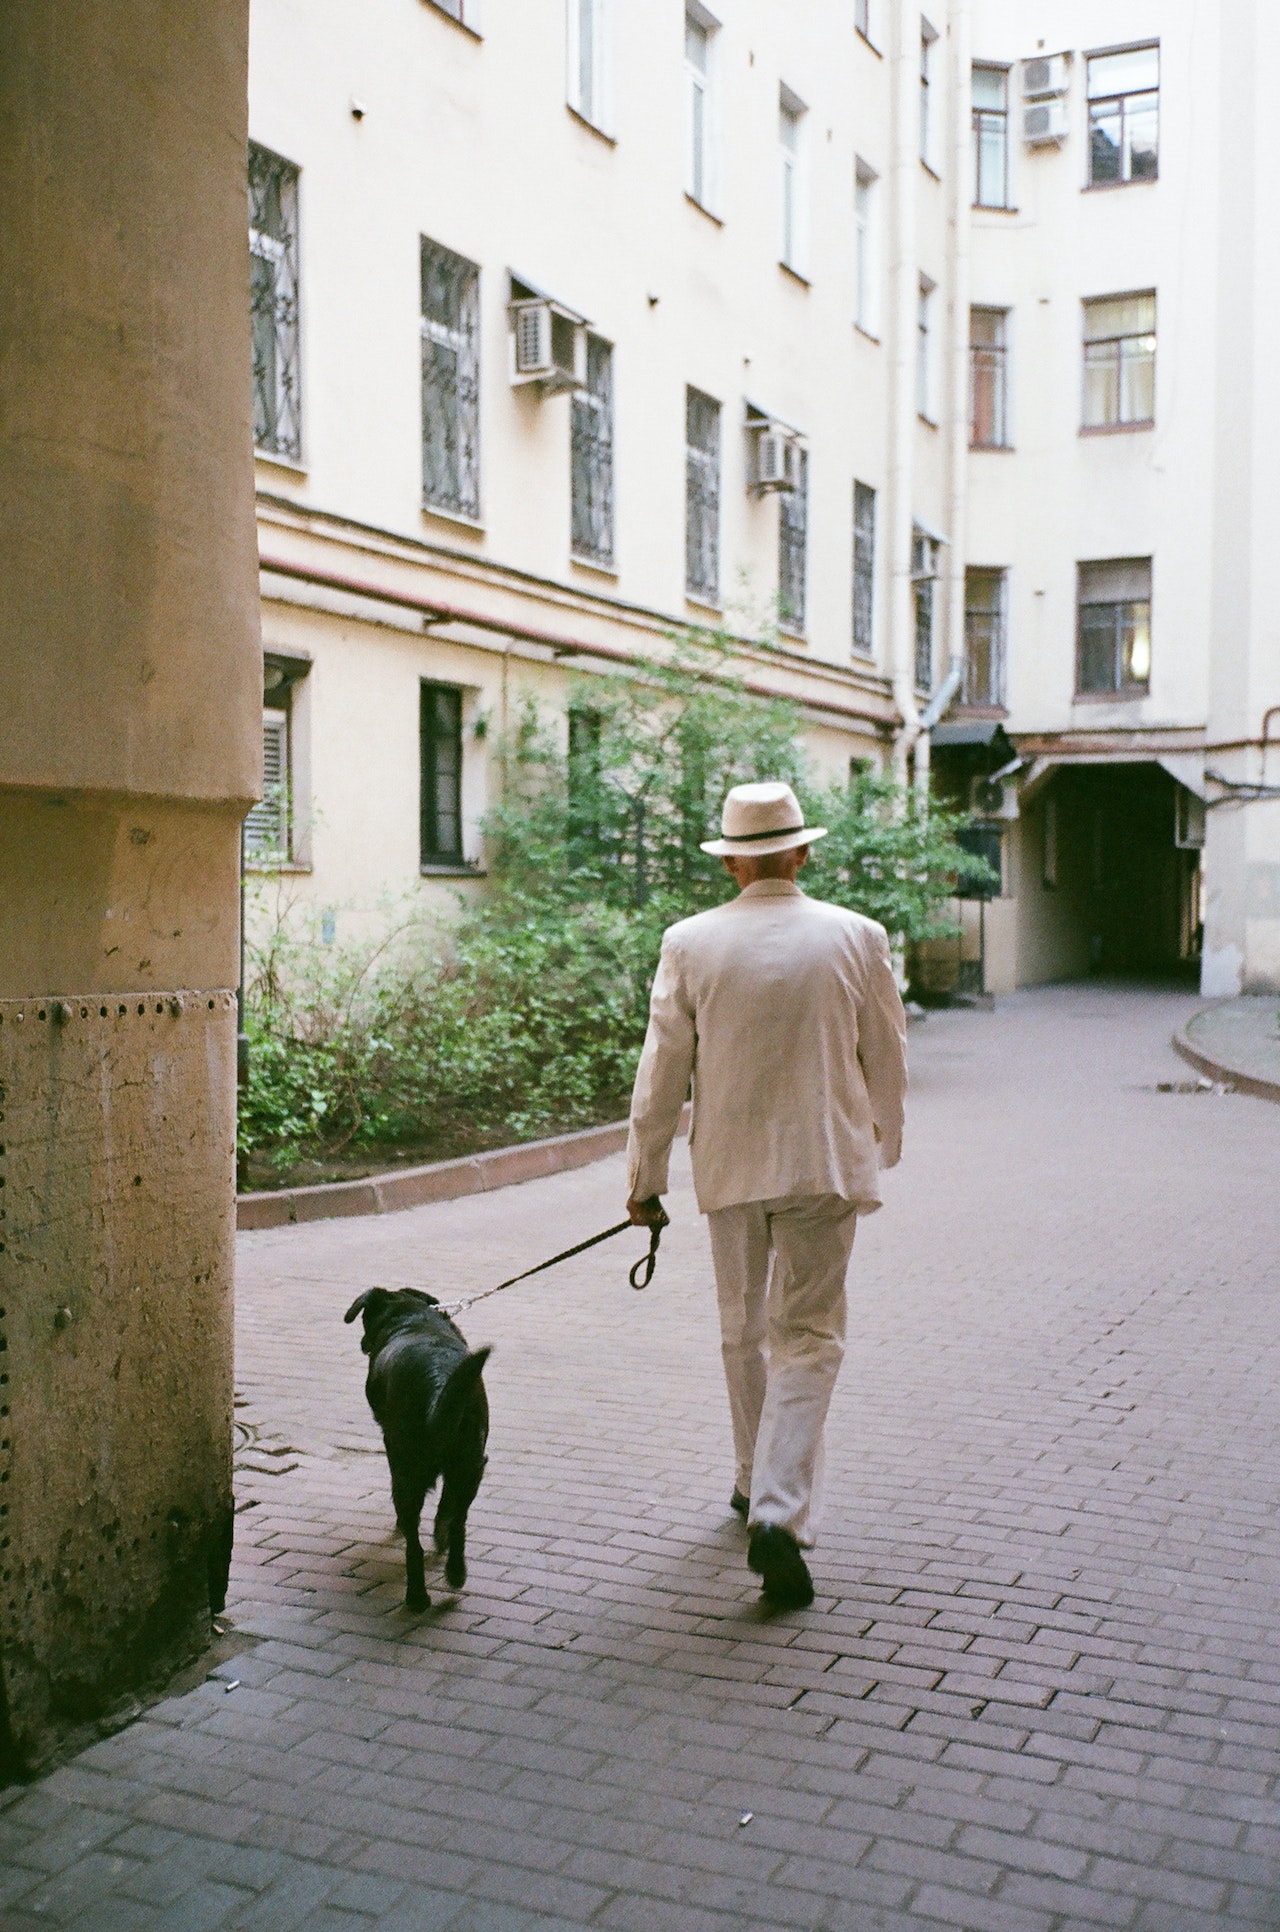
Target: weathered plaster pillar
{"points": [[129, 699]]}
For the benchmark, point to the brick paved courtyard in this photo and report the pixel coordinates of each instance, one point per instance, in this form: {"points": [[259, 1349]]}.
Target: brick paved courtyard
{"points": [[1039, 1690]]}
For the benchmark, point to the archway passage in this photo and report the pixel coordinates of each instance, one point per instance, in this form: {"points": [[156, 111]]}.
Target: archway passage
{"points": [[1118, 887]]}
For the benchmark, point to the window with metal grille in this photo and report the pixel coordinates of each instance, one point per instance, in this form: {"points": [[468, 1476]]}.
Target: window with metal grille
{"points": [[267, 826], [1124, 116], [793, 531], [440, 737], [924, 570], [864, 568], [591, 458], [1120, 361], [273, 303], [988, 379], [1114, 637], [990, 137], [984, 602], [450, 381], [702, 496]]}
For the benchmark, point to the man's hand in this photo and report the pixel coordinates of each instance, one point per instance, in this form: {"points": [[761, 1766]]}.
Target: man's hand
{"points": [[649, 1213]]}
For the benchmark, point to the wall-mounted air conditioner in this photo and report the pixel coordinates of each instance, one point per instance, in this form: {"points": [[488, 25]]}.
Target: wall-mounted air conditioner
{"points": [[1044, 123], [1046, 74], [777, 458], [548, 347]]}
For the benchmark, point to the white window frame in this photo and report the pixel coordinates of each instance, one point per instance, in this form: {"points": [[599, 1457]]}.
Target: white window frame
{"points": [[268, 825], [793, 183], [866, 21], [593, 102], [866, 247], [702, 112], [929, 106], [927, 352]]}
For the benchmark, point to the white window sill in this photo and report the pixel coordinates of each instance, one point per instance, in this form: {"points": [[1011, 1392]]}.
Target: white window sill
{"points": [[287, 463], [868, 335], [703, 209], [267, 868], [796, 274], [703, 603], [457, 518], [592, 127], [597, 569], [451, 869]]}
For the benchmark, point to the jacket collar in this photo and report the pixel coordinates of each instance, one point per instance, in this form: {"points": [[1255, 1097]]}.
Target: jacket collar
{"points": [[771, 889]]}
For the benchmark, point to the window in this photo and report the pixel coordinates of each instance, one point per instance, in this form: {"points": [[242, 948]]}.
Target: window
{"points": [[863, 19], [983, 638], [587, 39], [988, 379], [928, 132], [791, 150], [1120, 361], [1114, 651], [450, 381], [273, 303], [924, 572], [866, 240], [793, 526], [1124, 116], [440, 738], [591, 458], [266, 828], [990, 137], [702, 496], [925, 405], [700, 113], [864, 568]]}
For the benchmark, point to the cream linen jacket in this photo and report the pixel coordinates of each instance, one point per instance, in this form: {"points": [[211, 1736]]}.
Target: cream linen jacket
{"points": [[784, 1013]]}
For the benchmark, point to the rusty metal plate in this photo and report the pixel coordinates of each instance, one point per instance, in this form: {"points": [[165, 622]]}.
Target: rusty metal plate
{"points": [[117, 1162]]}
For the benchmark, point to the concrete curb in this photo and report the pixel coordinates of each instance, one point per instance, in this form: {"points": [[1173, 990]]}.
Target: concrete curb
{"points": [[439, 1181], [1232, 1076]]}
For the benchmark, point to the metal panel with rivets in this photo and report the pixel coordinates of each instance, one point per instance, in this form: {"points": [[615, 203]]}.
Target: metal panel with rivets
{"points": [[116, 1157]]}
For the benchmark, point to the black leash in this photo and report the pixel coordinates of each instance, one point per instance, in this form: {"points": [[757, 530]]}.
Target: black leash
{"points": [[640, 1275]]}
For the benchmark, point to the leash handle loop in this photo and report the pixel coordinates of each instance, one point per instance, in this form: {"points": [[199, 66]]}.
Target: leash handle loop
{"points": [[641, 1274]]}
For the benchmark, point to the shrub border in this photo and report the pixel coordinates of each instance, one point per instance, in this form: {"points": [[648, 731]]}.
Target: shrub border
{"points": [[408, 1187]]}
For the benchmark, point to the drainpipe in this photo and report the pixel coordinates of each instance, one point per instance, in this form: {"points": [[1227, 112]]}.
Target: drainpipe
{"points": [[957, 398], [903, 300]]}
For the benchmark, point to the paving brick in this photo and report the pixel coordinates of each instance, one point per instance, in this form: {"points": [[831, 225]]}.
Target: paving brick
{"points": [[1038, 1689]]}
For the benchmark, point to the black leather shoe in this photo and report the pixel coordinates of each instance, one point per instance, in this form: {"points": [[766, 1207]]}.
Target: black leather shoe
{"points": [[775, 1557], [741, 1503]]}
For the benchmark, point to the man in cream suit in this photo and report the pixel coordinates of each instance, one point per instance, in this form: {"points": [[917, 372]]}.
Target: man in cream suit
{"points": [[784, 1013]]}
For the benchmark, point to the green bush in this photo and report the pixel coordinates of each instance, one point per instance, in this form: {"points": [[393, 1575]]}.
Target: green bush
{"points": [[524, 1014]]}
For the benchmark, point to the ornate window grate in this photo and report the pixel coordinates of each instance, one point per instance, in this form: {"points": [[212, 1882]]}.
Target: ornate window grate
{"points": [[591, 458], [702, 496], [440, 736], [983, 638], [273, 303], [864, 568], [793, 531], [450, 381]]}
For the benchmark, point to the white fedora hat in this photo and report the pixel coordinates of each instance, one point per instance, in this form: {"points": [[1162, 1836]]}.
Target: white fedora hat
{"points": [[760, 819]]}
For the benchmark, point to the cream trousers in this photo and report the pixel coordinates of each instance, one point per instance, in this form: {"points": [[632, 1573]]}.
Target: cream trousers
{"points": [[782, 1339]]}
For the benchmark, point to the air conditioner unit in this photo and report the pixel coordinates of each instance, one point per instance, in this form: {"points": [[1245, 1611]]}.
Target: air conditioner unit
{"points": [[1048, 74], [1045, 123], [777, 464], [548, 347]]}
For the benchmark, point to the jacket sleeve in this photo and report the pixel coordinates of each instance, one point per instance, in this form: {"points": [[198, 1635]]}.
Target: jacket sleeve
{"points": [[882, 1050], [662, 1079]]}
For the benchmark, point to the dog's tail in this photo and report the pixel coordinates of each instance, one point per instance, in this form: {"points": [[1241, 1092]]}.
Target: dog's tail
{"points": [[459, 1388]]}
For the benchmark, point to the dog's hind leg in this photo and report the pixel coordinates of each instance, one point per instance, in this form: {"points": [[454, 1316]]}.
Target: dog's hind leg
{"points": [[456, 1498], [408, 1493]]}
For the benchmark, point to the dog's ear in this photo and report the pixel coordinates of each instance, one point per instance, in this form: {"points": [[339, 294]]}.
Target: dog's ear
{"points": [[363, 1301]]}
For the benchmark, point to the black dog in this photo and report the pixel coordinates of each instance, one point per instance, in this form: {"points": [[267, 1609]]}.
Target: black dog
{"points": [[425, 1390]]}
